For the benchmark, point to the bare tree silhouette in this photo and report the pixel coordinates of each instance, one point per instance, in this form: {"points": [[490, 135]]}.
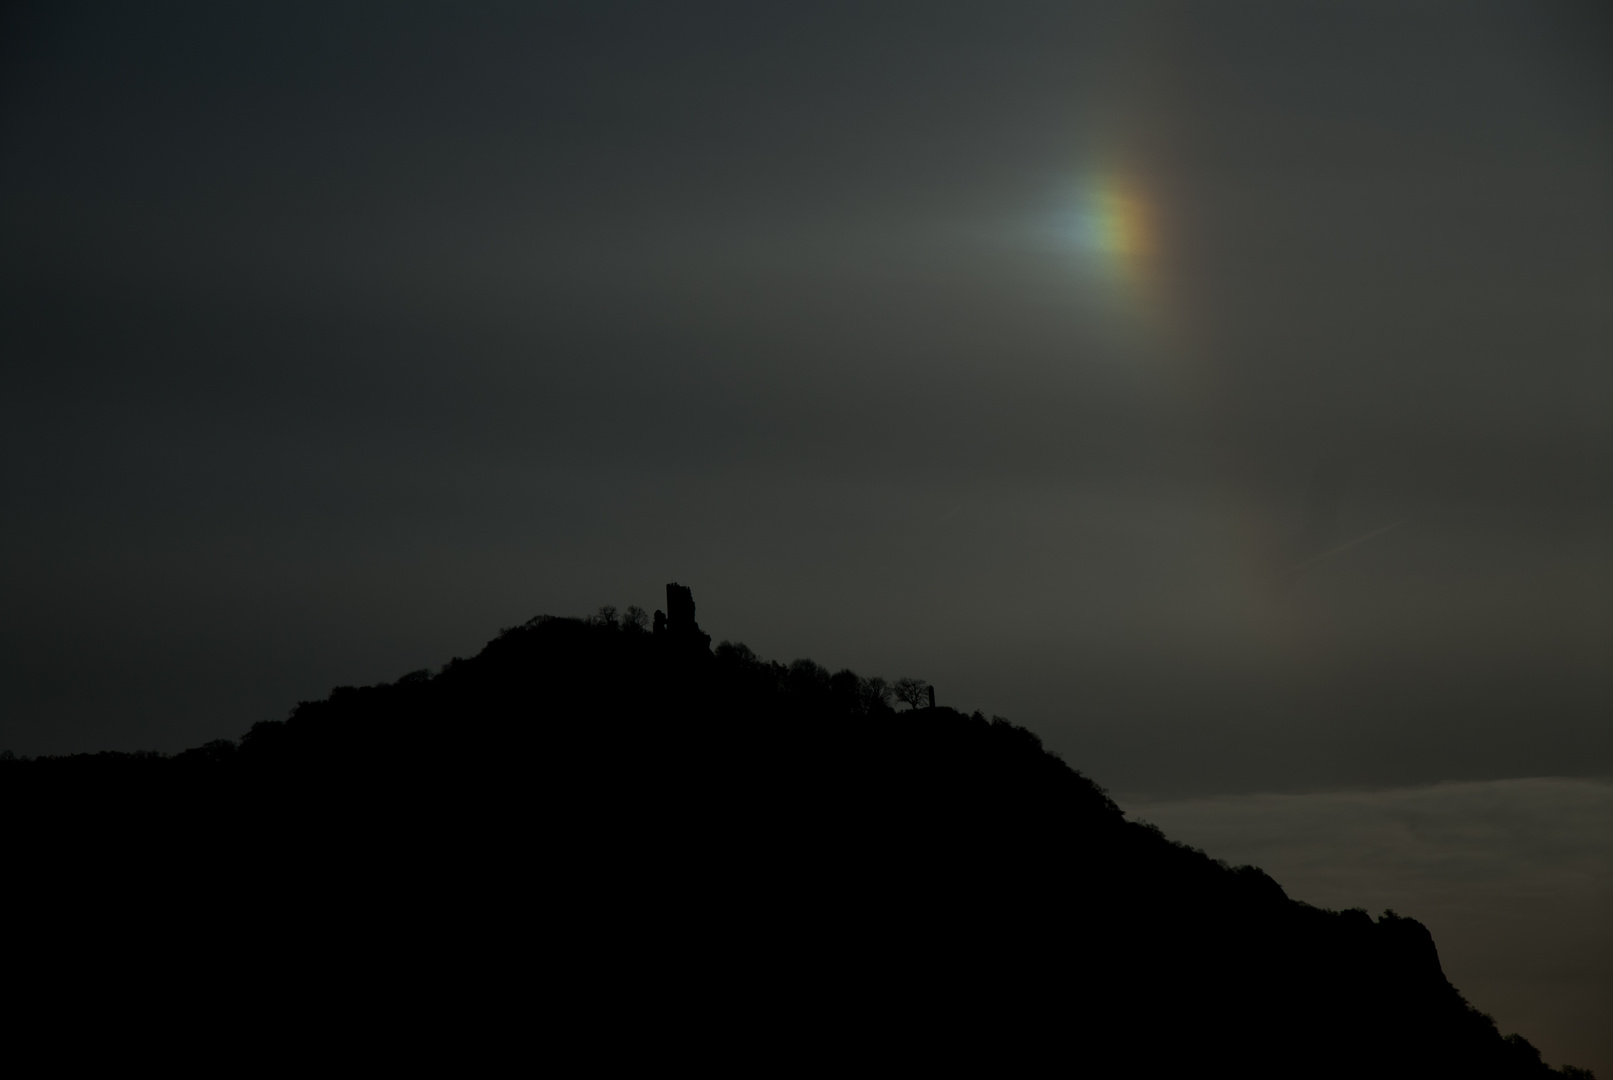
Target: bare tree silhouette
{"points": [[911, 692]]}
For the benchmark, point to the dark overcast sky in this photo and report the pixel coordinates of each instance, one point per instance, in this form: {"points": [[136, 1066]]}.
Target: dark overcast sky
{"points": [[1056, 353]]}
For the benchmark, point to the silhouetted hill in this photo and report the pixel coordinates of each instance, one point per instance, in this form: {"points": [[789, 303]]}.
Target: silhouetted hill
{"points": [[619, 841]]}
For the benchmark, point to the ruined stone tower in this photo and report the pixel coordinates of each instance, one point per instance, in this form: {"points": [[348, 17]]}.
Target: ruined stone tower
{"points": [[680, 609], [678, 623]]}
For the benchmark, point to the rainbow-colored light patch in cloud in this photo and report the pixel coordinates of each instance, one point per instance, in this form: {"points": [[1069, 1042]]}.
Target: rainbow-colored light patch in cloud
{"points": [[1111, 225], [1114, 223]]}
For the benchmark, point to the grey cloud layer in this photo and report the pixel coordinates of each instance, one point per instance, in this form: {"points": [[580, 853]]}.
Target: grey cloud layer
{"points": [[337, 340]]}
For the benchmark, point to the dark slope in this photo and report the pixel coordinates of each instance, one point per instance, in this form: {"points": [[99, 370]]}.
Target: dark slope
{"points": [[609, 838]]}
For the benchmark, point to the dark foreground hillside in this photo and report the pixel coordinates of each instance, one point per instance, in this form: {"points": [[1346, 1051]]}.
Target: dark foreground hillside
{"points": [[598, 839]]}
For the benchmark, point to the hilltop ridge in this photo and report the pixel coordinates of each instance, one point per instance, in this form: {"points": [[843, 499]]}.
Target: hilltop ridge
{"points": [[732, 857]]}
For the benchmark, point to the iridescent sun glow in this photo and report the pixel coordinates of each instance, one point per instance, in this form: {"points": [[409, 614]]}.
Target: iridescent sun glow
{"points": [[1114, 222]]}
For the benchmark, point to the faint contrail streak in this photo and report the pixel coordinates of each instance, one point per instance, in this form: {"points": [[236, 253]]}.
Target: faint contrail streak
{"points": [[1330, 552]]}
